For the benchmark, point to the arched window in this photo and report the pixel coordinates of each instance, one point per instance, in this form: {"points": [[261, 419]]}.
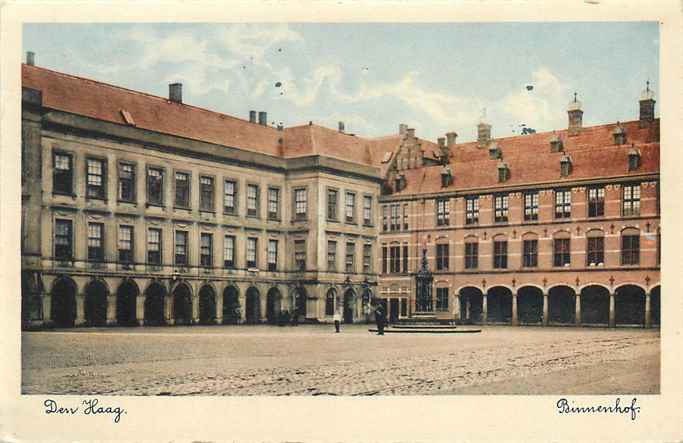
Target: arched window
{"points": [[329, 302], [530, 250], [595, 248], [500, 252], [471, 252], [562, 249], [630, 246]]}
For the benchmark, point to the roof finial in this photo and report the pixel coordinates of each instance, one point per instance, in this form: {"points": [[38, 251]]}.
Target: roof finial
{"points": [[574, 96], [648, 85]]}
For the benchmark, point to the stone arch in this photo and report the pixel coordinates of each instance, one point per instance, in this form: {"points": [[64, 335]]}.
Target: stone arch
{"points": [[530, 304], [182, 304], [561, 304], [594, 304], [629, 305], [207, 304], [471, 304], [253, 305], [126, 303], [330, 302], [273, 305], [655, 305], [96, 292], [231, 305], [349, 305], [530, 235], [499, 304], [63, 306], [155, 296]]}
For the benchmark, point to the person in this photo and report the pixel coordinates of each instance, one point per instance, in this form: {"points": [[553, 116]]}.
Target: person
{"points": [[379, 318], [337, 320]]}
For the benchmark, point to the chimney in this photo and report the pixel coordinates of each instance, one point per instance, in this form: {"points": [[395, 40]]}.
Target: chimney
{"points": [[647, 106], [341, 127], [410, 132], [575, 116], [263, 118], [175, 92], [252, 116], [442, 142], [483, 134], [31, 58], [450, 138], [402, 128]]}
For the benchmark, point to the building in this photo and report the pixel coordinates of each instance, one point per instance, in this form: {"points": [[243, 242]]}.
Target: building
{"points": [[138, 209]]}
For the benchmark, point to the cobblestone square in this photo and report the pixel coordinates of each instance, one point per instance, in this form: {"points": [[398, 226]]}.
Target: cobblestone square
{"points": [[313, 360]]}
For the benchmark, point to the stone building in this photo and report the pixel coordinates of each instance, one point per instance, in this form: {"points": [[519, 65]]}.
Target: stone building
{"points": [[560, 227], [145, 210]]}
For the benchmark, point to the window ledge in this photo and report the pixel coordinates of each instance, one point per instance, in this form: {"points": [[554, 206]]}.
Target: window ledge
{"points": [[182, 208], [64, 194], [155, 205], [127, 202]]}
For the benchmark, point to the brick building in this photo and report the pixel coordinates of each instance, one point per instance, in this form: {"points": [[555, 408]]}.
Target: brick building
{"points": [[138, 209]]}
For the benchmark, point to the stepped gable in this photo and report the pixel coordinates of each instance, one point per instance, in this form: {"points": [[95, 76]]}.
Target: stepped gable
{"points": [[530, 160]]}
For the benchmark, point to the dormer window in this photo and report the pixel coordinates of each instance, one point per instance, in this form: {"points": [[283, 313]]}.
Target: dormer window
{"points": [[633, 159], [495, 152], [565, 166], [556, 144], [619, 135], [400, 182], [503, 172], [446, 177]]}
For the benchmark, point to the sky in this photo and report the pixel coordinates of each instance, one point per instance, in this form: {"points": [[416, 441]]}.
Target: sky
{"points": [[435, 77]]}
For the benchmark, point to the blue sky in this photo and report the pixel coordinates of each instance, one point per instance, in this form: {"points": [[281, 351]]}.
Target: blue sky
{"points": [[434, 77]]}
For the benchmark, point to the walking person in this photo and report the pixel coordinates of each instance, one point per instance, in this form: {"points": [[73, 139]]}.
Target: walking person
{"points": [[337, 320], [379, 318]]}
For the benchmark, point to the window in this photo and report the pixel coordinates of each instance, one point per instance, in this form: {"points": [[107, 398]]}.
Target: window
{"points": [[471, 210], [395, 219], [367, 258], [300, 255], [367, 210], [332, 204], [501, 208], [273, 203], [95, 243], [596, 202], [230, 197], [331, 255], [350, 256], [63, 240], [631, 200], [595, 250], [500, 254], [442, 299], [385, 259], [62, 175], [563, 203], [229, 252], [181, 248], [251, 252], [96, 179], [630, 248], [206, 194], [252, 201], [206, 250], [154, 246], [562, 252], [503, 173], [405, 217], [272, 255], [329, 303], [441, 257], [126, 244], [350, 212], [385, 218], [531, 206], [471, 255], [155, 186], [126, 182], [405, 258], [300, 204], [530, 258], [442, 212], [182, 190], [395, 259], [404, 307]]}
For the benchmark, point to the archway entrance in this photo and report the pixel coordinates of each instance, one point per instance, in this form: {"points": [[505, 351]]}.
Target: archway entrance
{"points": [[529, 305], [561, 305], [63, 307], [273, 305], [594, 305], [655, 306], [471, 305], [154, 305], [96, 303], [499, 305], [330, 302], [231, 306], [349, 305], [207, 305], [300, 303], [182, 305], [253, 306], [126, 303], [629, 305]]}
